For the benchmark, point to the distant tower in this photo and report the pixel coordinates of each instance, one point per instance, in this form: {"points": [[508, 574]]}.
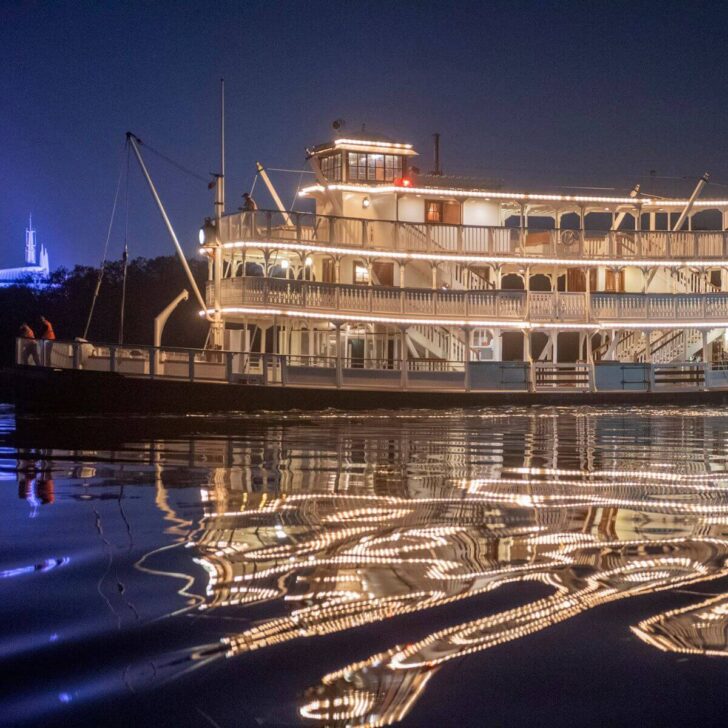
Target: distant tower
{"points": [[43, 260], [30, 243]]}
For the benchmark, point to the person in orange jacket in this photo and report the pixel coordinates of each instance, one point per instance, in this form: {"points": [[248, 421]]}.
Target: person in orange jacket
{"points": [[48, 335], [47, 331], [30, 347]]}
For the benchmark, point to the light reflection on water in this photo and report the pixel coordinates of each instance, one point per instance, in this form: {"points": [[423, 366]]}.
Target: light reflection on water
{"points": [[257, 532]]}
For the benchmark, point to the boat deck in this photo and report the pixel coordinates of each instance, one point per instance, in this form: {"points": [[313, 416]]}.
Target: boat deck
{"points": [[81, 375]]}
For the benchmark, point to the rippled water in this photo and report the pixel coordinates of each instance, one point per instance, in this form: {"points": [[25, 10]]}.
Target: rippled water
{"points": [[421, 568]]}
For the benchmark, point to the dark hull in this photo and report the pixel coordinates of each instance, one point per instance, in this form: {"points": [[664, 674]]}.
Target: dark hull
{"points": [[38, 390]]}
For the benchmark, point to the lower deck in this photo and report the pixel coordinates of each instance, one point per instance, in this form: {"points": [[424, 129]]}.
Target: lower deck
{"points": [[89, 376], [43, 390]]}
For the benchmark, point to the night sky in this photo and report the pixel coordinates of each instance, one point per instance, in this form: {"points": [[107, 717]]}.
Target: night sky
{"points": [[536, 94]]}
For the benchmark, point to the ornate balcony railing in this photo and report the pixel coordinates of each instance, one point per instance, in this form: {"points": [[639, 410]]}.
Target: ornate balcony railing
{"points": [[432, 238], [532, 306]]}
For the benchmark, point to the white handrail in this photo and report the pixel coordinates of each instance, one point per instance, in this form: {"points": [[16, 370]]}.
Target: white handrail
{"points": [[358, 233], [607, 309], [255, 368]]}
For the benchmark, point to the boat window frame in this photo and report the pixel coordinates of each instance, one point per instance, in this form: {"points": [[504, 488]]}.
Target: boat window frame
{"points": [[392, 167], [442, 206]]}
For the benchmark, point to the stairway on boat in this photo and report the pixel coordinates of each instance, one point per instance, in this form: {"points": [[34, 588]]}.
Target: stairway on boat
{"points": [[669, 345]]}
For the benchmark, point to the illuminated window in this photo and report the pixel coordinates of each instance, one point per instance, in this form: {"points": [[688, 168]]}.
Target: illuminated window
{"points": [[374, 167], [361, 272], [331, 167], [442, 211], [433, 211], [392, 167], [481, 337]]}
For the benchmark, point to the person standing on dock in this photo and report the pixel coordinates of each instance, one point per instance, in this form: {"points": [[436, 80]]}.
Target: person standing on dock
{"points": [[47, 335], [30, 347], [47, 330]]}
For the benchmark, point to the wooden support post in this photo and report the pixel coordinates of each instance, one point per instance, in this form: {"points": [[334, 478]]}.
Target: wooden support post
{"points": [[468, 355], [497, 345], [229, 367], [403, 357], [339, 357], [648, 346], [523, 229], [590, 361], [527, 346]]}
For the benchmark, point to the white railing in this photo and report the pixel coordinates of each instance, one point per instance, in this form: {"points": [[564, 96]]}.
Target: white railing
{"points": [[254, 368], [657, 307], [531, 306], [550, 377], [304, 227]]}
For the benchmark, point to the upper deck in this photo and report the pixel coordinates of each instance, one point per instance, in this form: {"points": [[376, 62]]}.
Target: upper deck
{"points": [[340, 235], [369, 196]]}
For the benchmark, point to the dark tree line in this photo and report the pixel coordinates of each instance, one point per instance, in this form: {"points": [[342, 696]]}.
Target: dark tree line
{"points": [[151, 285]]}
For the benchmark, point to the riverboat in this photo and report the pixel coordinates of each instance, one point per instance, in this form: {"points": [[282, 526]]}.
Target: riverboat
{"points": [[401, 288]]}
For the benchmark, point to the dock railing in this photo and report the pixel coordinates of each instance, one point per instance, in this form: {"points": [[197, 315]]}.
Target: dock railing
{"points": [[561, 243], [270, 369]]}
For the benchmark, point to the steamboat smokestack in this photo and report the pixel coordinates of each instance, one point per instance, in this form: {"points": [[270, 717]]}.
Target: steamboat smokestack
{"points": [[436, 138]]}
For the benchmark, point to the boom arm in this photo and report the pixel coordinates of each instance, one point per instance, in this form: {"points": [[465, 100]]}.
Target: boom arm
{"points": [[620, 217], [698, 189], [180, 253], [273, 193]]}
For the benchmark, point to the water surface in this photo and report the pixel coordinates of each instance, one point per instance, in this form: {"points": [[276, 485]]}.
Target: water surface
{"points": [[476, 567]]}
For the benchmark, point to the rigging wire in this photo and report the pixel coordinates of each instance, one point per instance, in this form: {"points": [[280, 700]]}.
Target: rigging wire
{"points": [[125, 256], [293, 171], [298, 189], [102, 268], [179, 166]]}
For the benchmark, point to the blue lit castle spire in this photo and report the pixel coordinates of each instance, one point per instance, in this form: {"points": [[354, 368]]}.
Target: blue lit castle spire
{"points": [[35, 270], [30, 242]]}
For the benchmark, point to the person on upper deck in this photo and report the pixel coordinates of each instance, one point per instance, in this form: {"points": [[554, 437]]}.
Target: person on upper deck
{"points": [[249, 204]]}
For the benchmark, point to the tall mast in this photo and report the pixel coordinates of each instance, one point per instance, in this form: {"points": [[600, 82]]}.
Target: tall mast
{"points": [[221, 209]]}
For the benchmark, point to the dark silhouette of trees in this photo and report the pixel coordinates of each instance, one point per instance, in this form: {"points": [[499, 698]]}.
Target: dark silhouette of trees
{"points": [[151, 284]]}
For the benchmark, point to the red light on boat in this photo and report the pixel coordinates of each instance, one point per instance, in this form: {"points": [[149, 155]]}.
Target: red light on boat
{"points": [[403, 182]]}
